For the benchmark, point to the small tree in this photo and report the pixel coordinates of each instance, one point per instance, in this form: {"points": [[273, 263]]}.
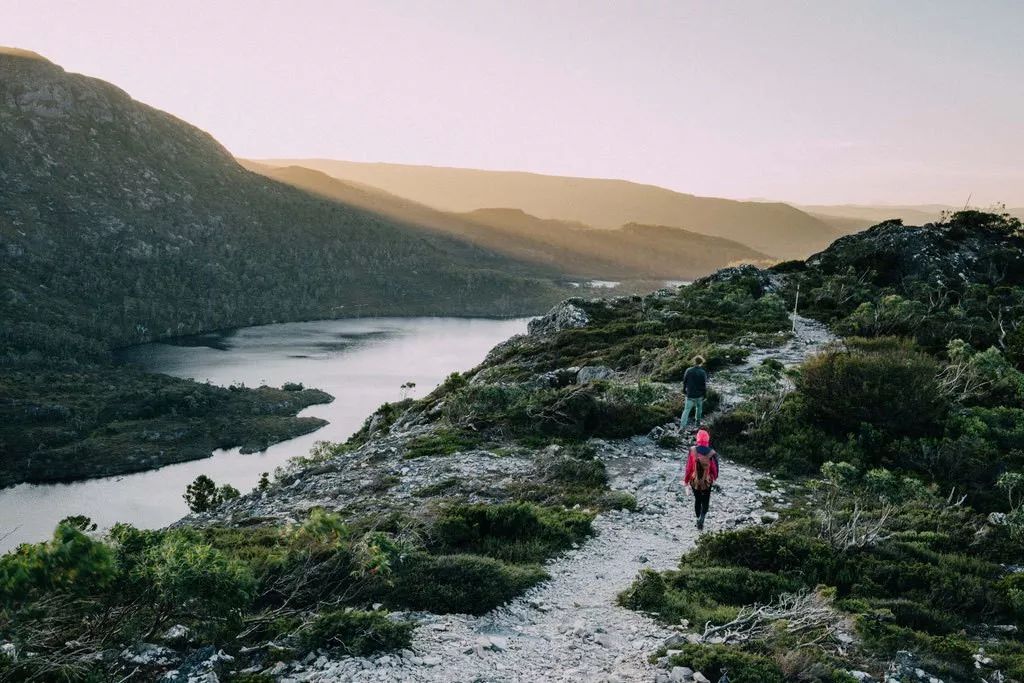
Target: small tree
{"points": [[407, 388], [227, 492], [200, 494], [203, 494], [264, 482], [80, 522]]}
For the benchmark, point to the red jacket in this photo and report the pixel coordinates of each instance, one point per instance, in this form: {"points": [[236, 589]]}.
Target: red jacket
{"points": [[691, 466]]}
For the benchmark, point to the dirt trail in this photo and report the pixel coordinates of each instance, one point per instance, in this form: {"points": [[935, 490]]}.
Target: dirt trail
{"points": [[570, 628]]}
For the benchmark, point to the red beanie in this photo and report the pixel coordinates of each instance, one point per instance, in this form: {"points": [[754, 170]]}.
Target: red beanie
{"points": [[703, 438]]}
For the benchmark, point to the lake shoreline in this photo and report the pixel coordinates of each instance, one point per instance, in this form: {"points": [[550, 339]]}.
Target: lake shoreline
{"points": [[360, 362]]}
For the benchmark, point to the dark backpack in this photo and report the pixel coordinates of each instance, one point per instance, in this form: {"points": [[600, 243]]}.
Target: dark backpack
{"points": [[702, 477]]}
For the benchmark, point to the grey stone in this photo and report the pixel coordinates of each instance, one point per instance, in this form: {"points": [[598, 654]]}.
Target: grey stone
{"points": [[679, 674], [564, 316], [591, 373]]}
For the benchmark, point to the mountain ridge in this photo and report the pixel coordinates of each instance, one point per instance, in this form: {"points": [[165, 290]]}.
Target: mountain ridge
{"points": [[777, 229], [625, 252]]}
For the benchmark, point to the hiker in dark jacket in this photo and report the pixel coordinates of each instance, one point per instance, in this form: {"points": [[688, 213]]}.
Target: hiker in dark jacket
{"points": [[701, 474], [695, 387]]}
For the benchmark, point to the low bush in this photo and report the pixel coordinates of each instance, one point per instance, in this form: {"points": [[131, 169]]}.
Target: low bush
{"points": [[70, 562], [355, 632], [893, 391], [716, 660], [203, 494], [197, 580], [514, 532], [443, 441], [465, 584]]}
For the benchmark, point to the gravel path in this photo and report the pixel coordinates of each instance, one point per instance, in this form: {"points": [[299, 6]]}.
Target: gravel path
{"points": [[570, 628]]}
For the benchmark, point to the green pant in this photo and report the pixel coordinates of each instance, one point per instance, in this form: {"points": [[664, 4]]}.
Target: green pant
{"points": [[692, 404]]}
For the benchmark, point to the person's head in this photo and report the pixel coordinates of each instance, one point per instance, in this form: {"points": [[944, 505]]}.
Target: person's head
{"points": [[698, 361], [703, 438]]}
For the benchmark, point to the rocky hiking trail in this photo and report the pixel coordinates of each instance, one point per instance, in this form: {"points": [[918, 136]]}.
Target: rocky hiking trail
{"points": [[570, 628]]}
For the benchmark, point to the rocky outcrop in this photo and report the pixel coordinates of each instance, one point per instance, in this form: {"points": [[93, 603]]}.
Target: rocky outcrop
{"points": [[767, 282], [567, 315], [967, 250]]}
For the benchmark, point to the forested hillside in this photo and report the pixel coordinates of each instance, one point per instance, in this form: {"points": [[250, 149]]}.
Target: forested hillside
{"points": [[121, 224]]}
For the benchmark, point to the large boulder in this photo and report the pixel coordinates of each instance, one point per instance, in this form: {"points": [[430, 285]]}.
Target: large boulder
{"points": [[592, 373], [567, 315]]}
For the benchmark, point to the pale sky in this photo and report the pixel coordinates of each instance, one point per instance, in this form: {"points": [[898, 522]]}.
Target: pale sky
{"points": [[907, 101]]}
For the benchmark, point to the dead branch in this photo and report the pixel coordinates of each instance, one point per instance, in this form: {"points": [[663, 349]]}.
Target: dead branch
{"points": [[802, 613]]}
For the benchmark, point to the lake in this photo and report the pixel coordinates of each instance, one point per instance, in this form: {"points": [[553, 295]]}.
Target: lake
{"points": [[361, 362]]}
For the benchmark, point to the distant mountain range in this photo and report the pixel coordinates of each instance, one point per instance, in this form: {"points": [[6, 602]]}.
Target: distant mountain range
{"points": [[627, 252], [849, 218], [773, 228]]}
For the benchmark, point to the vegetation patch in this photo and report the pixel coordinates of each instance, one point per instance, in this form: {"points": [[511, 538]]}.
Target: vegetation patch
{"points": [[514, 532], [355, 632], [443, 441]]}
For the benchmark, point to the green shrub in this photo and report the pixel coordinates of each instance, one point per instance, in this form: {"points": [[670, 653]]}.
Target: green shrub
{"points": [[70, 562], [356, 633], [576, 472], [196, 578], [441, 442], [731, 585], [466, 584], [646, 593], [617, 500], [80, 522], [778, 548], [715, 660], [203, 494], [895, 392], [514, 532]]}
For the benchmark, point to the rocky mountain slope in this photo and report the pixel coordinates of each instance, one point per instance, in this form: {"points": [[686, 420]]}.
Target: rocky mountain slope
{"points": [[626, 253], [776, 229]]}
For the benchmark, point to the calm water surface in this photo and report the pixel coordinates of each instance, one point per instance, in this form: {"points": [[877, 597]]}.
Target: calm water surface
{"points": [[362, 363]]}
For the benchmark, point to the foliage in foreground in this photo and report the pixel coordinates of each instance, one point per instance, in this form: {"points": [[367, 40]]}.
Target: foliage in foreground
{"points": [[77, 594]]}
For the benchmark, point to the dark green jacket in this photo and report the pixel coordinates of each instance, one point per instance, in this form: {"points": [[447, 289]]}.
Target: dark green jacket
{"points": [[695, 382]]}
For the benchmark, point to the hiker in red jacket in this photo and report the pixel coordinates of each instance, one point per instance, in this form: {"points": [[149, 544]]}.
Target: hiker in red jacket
{"points": [[701, 473]]}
